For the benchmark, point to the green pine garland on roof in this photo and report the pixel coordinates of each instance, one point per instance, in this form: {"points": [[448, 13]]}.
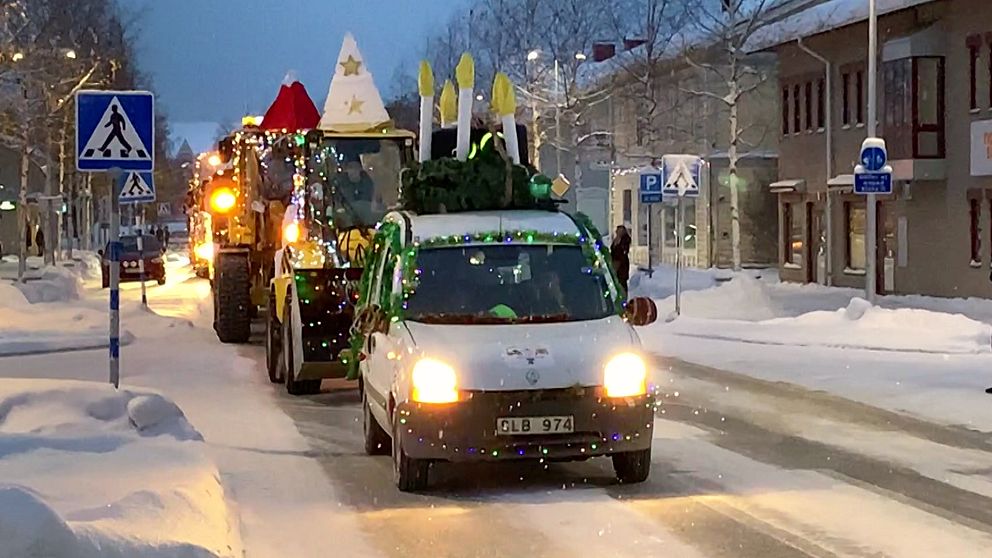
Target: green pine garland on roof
{"points": [[478, 184]]}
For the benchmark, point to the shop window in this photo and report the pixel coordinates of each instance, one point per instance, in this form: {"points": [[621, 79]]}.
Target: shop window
{"points": [[845, 84], [669, 216], [689, 223], [854, 222], [821, 111], [670, 219], [642, 223], [809, 106], [785, 111], [975, 229], [793, 235]]}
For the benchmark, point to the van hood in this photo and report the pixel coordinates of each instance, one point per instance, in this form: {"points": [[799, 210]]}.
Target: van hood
{"points": [[525, 356]]}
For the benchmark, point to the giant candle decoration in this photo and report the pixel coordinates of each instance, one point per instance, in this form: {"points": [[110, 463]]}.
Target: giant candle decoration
{"points": [[505, 105], [425, 83], [449, 106], [465, 74]]}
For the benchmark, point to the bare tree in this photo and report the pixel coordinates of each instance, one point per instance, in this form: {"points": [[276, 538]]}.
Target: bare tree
{"points": [[725, 27]]}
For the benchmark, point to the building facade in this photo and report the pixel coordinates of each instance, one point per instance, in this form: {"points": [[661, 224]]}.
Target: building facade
{"points": [[692, 124], [935, 112]]}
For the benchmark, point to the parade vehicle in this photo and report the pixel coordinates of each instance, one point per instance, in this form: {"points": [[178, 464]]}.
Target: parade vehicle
{"points": [[491, 325], [338, 180]]}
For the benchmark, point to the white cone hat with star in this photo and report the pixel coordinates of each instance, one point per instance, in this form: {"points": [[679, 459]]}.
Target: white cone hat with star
{"points": [[353, 101]]}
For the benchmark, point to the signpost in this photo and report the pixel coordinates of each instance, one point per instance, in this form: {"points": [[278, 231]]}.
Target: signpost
{"points": [[683, 172], [651, 192], [115, 131], [871, 177]]}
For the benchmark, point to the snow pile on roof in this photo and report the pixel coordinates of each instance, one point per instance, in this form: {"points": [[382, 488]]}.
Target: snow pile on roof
{"points": [[82, 479], [829, 15]]}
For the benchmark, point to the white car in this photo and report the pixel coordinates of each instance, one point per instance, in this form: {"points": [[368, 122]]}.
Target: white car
{"points": [[500, 335]]}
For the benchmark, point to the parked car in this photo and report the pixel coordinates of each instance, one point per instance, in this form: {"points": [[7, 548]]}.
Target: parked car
{"points": [[151, 253]]}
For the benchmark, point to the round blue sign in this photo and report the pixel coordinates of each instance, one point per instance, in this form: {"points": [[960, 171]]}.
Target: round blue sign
{"points": [[873, 159]]}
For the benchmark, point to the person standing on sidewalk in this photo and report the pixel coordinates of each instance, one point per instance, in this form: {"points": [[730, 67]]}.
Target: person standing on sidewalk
{"points": [[39, 241], [620, 254]]}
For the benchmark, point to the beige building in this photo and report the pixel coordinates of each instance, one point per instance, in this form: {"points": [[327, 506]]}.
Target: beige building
{"points": [[690, 124], [935, 112]]}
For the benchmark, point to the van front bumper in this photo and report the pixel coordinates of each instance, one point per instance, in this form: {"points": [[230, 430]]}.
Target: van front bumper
{"points": [[467, 430]]}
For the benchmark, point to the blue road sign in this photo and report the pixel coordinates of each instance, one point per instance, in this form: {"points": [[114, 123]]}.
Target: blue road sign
{"points": [[873, 158], [115, 129], [873, 183], [651, 187], [135, 187]]}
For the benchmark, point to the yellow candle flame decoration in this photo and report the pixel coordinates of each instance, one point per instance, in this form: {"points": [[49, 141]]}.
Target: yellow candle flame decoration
{"points": [[465, 72], [449, 103], [504, 99], [425, 81]]}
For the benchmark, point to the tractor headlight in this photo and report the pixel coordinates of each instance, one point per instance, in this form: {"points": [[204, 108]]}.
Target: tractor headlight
{"points": [[291, 233], [434, 382], [204, 251], [625, 375], [222, 200]]}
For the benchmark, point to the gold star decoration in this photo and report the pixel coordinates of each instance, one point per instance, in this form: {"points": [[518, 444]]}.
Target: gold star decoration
{"points": [[351, 66], [355, 106]]}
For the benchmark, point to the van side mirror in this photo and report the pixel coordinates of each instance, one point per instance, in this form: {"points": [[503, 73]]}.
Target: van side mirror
{"points": [[641, 311], [99, 253]]}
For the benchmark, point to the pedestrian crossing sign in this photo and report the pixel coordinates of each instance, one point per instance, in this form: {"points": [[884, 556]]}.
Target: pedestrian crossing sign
{"points": [[115, 129], [136, 187]]}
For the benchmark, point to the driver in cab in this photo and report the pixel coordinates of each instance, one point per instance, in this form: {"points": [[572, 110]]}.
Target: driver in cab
{"points": [[357, 190]]}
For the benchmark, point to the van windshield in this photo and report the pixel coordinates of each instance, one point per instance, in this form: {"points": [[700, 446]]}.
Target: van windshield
{"points": [[508, 283]]}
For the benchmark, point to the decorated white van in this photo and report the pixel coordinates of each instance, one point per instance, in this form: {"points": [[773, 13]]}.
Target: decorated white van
{"points": [[498, 335]]}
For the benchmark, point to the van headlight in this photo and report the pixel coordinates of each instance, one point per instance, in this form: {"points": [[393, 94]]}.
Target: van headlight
{"points": [[625, 375], [434, 382]]}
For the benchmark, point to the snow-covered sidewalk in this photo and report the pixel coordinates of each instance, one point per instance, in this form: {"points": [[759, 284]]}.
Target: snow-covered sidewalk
{"points": [[923, 356], [278, 499]]}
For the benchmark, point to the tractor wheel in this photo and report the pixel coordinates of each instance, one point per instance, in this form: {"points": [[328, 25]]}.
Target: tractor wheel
{"points": [[232, 299], [273, 343], [293, 386]]}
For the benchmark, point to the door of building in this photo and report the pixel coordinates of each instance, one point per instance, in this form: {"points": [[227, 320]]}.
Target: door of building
{"points": [[885, 256]]}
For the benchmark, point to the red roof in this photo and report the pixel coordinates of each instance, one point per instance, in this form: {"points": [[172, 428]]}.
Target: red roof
{"points": [[292, 110]]}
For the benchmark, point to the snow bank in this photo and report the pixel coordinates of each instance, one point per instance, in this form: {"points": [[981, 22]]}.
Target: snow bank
{"points": [[88, 471], [49, 327], [742, 298], [857, 326], [52, 285]]}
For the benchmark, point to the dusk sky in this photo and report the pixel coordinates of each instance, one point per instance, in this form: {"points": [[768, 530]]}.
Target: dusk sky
{"points": [[215, 60]]}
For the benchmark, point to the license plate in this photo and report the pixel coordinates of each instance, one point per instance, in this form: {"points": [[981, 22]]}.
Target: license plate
{"points": [[517, 426]]}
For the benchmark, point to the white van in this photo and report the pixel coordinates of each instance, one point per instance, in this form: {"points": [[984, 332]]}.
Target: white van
{"points": [[500, 335]]}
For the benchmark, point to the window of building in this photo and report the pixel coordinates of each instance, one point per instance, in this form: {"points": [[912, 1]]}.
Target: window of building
{"points": [[785, 111], [974, 45], [809, 106], [628, 197], [914, 107], [821, 111], [859, 96], [845, 80], [975, 229], [786, 227], [854, 221], [797, 123], [669, 218], [642, 224], [989, 68]]}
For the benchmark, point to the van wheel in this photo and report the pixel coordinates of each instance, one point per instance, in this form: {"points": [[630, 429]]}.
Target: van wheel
{"points": [[411, 474], [633, 466], [376, 439]]}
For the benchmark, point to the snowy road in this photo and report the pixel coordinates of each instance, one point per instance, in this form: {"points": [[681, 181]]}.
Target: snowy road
{"points": [[742, 467]]}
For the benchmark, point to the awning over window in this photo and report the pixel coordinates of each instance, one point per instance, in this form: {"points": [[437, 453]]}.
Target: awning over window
{"points": [[788, 186], [841, 181]]}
